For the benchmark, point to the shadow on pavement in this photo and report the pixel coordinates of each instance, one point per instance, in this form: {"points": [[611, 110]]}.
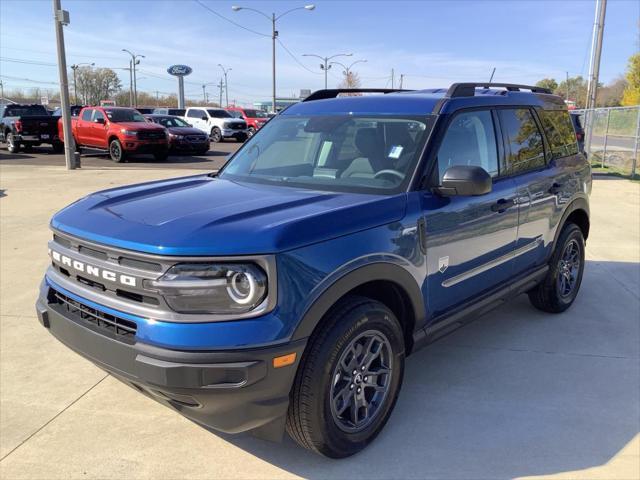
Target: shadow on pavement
{"points": [[517, 393]]}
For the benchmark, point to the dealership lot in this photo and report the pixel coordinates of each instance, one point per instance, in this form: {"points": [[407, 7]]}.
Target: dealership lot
{"points": [[518, 393]]}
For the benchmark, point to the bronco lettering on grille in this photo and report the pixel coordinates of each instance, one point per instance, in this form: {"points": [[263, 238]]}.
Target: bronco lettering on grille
{"points": [[92, 270]]}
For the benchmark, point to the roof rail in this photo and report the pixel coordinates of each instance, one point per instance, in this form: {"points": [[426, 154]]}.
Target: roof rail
{"points": [[469, 89], [334, 92]]}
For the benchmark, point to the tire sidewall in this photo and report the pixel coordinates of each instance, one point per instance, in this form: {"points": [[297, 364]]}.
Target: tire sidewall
{"points": [[12, 146], [216, 135], [571, 232], [115, 159], [347, 329]]}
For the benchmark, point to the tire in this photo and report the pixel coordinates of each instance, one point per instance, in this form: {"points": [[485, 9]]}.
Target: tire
{"points": [[251, 132], [161, 156], [216, 135], [314, 419], [12, 145], [116, 152], [560, 286]]}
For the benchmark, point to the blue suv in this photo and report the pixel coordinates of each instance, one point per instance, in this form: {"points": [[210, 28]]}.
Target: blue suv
{"points": [[285, 291]]}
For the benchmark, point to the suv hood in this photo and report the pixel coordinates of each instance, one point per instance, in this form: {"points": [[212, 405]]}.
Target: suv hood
{"points": [[200, 215]]}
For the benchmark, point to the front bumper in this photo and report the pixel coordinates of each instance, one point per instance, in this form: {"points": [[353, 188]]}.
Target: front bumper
{"points": [[231, 133], [231, 391], [186, 146], [136, 146]]}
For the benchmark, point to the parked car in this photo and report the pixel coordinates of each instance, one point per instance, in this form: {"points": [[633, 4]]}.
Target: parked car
{"points": [[577, 126], [145, 110], [183, 138], [216, 122], [254, 118], [286, 290], [119, 131], [27, 126], [75, 110], [178, 112]]}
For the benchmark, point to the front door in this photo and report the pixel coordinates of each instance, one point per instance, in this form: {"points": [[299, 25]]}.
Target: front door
{"points": [[469, 239]]}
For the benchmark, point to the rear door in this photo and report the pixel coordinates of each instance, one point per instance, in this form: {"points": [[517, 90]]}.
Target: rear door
{"points": [[84, 128], [539, 182], [470, 239]]}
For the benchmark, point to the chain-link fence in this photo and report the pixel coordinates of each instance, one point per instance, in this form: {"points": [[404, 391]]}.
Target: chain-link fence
{"points": [[612, 139]]}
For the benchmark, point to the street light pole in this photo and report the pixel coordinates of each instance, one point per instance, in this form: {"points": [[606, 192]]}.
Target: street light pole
{"points": [[274, 36], [326, 66], [61, 18], [132, 71], [226, 84], [347, 70]]}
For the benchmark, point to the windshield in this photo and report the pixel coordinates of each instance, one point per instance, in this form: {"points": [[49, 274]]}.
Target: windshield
{"points": [[25, 111], [117, 115], [219, 114], [170, 122], [375, 154], [255, 114]]}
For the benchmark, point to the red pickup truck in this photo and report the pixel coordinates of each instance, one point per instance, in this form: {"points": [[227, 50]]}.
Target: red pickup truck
{"points": [[120, 131], [254, 118]]}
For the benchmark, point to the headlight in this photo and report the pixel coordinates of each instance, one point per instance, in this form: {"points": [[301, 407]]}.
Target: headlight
{"points": [[213, 287], [176, 137], [130, 133]]}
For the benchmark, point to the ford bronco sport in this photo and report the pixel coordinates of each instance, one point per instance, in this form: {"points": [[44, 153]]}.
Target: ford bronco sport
{"points": [[286, 290]]}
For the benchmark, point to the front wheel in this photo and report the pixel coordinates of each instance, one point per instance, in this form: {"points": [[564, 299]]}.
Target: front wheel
{"points": [[12, 145], [560, 286], [251, 132], [216, 135], [116, 152], [349, 379]]}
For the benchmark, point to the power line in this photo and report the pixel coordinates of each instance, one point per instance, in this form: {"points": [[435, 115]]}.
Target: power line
{"points": [[28, 62], [29, 80], [296, 60], [229, 20]]}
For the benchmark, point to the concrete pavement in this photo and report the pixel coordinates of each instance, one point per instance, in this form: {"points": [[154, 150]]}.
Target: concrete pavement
{"points": [[516, 394]]}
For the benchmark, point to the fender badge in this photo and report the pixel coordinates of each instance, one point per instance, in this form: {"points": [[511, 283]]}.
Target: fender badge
{"points": [[443, 264]]}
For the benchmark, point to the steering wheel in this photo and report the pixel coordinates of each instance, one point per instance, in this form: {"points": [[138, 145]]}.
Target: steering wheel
{"points": [[393, 173]]}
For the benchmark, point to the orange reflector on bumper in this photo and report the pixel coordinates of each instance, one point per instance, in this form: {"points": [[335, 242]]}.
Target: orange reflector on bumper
{"points": [[284, 360]]}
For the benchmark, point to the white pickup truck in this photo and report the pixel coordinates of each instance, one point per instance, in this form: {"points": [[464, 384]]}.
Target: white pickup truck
{"points": [[217, 122]]}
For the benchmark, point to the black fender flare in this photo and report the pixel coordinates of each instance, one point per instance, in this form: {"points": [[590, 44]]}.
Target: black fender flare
{"points": [[380, 271], [579, 203]]}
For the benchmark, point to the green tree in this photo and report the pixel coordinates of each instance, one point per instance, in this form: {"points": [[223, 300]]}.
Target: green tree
{"points": [[577, 90], [549, 83], [631, 94]]}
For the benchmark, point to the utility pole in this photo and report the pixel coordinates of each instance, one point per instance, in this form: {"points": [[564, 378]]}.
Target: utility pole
{"points": [[594, 67], [226, 83], [204, 93], [392, 78], [567, 83], [135, 60], [74, 68], [401, 80], [61, 18], [220, 85]]}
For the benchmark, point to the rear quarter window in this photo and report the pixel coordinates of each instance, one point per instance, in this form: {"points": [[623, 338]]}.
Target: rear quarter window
{"points": [[560, 133]]}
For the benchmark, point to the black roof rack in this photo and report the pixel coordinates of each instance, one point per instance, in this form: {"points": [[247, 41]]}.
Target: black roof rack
{"points": [[334, 92], [469, 89]]}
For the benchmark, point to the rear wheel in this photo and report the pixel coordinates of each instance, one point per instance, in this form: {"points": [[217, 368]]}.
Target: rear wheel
{"points": [[216, 135], [560, 287], [12, 145], [349, 379], [116, 152], [251, 132]]}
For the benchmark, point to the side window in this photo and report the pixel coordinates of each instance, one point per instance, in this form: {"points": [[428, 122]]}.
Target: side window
{"points": [[97, 114], [470, 139], [525, 149], [560, 133], [86, 114], [193, 113]]}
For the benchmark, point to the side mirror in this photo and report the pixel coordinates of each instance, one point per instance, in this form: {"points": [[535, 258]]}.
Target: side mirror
{"points": [[99, 120], [465, 180], [204, 118]]}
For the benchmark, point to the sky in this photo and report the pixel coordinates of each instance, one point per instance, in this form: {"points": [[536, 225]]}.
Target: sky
{"points": [[431, 43]]}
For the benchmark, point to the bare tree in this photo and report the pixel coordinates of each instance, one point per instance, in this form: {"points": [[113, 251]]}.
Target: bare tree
{"points": [[95, 84], [350, 79]]}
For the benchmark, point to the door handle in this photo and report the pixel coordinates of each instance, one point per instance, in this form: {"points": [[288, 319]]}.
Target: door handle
{"points": [[502, 205], [555, 188]]}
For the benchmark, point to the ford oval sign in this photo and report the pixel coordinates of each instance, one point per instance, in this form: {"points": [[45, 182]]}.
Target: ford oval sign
{"points": [[179, 70]]}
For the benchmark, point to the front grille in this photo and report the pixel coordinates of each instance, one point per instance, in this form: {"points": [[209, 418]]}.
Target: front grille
{"points": [[143, 135], [196, 138], [119, 327], [238, 126]]}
